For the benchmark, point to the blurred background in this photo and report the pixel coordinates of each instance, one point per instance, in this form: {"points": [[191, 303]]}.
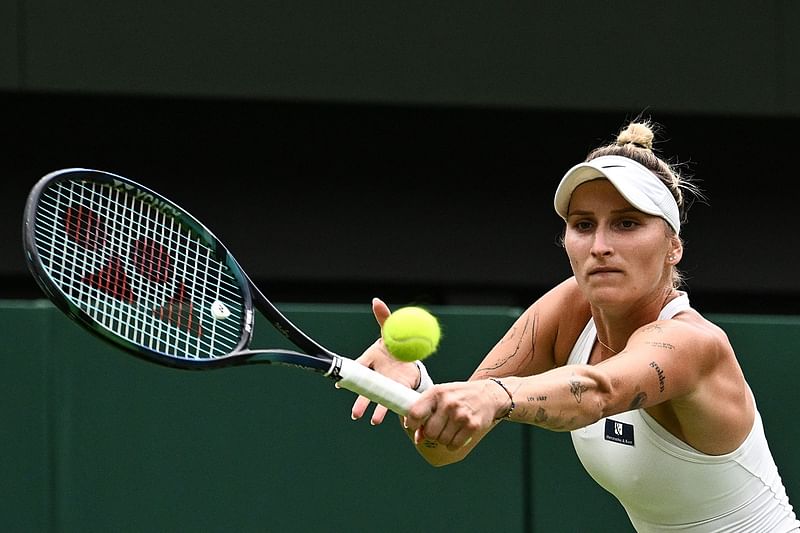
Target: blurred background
{"points": [[410, 150], [345, 150]]}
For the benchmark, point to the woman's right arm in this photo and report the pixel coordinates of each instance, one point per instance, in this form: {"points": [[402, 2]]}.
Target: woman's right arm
{"points": [[527, 348], [539, 340], [377, 358]]}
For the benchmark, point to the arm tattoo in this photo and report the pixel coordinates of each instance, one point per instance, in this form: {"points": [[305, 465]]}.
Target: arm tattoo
{"points": [[540, 416], [638, 400], [577, 389], [530, 325], [665, 345], [660, 373]]}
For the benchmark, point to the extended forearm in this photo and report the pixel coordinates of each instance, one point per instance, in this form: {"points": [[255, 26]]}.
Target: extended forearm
{"points": [[561, 399]]}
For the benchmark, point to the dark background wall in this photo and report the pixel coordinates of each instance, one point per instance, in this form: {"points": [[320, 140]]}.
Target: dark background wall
{"points": [[409, 150]]}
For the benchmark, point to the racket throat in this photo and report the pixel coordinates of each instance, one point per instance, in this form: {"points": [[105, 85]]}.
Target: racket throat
{"points": [[335, 370]]}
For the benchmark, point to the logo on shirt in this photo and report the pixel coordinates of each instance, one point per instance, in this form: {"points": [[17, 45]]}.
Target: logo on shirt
{"points": [[619, 432]]}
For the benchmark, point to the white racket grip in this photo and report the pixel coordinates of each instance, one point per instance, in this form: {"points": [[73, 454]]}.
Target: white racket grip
{"points": [[358, 378]]}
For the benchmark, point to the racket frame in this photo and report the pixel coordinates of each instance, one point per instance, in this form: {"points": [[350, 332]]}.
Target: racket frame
{"points": [[315, 357]]}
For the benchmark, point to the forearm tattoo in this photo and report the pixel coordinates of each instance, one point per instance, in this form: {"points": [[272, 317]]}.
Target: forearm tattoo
{"points": [[516, 340], [576, 388], [540, 414]]}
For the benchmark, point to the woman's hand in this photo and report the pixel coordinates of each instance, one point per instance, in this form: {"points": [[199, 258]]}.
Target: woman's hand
{"points": [[453, 414], [380, 360], [447, 420]]}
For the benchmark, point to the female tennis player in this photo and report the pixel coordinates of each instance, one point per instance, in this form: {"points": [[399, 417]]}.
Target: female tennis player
{"points": [[658, 408]]}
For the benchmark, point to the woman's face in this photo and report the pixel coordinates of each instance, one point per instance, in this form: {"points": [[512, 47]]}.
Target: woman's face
{"points": [[617, 253]]}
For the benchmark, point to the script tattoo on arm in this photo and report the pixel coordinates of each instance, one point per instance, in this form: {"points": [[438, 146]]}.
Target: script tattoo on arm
{"points": [[660, 373], [540, 415], [665, 345]]}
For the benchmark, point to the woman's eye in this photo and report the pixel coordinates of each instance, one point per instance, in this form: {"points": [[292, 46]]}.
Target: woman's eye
{"points": [[628, 224]]}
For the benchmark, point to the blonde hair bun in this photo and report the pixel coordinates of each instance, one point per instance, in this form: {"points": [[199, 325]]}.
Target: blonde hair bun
{"points": [[637, 133]]}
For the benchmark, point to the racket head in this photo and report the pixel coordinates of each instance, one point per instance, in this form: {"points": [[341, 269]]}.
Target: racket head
{"points": [[136, 269]]}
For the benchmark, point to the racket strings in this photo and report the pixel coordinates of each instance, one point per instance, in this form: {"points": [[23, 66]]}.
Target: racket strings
{"points": [[137, 271]]}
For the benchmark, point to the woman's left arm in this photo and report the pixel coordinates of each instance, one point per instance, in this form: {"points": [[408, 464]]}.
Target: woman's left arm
{"points": [[663, 360]]}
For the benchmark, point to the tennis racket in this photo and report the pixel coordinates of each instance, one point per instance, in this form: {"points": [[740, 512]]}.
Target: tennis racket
{"points": [[140, 272]]}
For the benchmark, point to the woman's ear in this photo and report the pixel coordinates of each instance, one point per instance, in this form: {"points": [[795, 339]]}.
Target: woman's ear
{"points": [[676, 252]]}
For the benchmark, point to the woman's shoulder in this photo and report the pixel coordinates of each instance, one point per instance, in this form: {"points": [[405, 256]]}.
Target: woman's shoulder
{"points": [[568, 292], [693, 328], [694, 320], [565, 297], [563, 313]]}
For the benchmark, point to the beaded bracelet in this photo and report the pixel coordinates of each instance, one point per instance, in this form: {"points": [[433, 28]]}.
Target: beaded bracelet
{"points": [[513, 405]]}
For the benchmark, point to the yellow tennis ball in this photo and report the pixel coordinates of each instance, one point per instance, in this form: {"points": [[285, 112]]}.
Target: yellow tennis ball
{"points": [[411, 333]]}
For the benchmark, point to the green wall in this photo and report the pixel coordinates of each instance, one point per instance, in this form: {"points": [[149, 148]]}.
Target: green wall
{"points": [[95, 440]]}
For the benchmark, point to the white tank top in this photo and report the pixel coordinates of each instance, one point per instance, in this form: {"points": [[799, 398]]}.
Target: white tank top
{"points": [[666, 485]]}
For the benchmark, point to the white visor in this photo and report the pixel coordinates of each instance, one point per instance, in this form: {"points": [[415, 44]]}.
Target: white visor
{"points": [[640, 187]]}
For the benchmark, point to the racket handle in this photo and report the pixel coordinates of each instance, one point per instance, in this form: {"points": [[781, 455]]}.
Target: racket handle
{"points": [[373, 385]]}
